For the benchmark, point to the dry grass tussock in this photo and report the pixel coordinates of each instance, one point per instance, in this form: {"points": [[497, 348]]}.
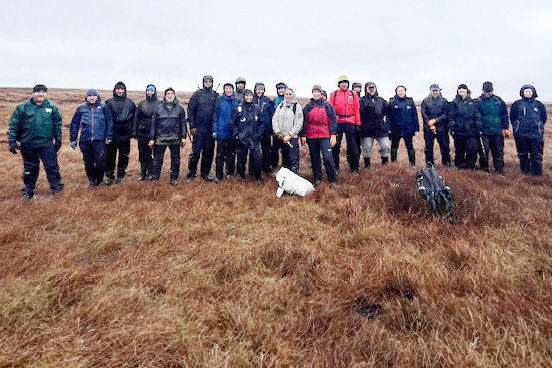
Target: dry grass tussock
{"points": [[207, 275]]}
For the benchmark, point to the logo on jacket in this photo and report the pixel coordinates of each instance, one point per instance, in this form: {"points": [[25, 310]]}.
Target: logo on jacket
{"points": [[536, 109], [240, 109], [49, 110]]}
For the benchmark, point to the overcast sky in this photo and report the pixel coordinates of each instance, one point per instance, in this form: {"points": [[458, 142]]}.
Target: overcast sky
{"points": [[94, 44]]}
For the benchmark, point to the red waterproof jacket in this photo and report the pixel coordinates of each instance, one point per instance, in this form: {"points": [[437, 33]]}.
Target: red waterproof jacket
{"points": [[346, 106]]}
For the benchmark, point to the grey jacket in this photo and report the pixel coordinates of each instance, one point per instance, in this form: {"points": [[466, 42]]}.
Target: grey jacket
{"points": [[285, 121]]}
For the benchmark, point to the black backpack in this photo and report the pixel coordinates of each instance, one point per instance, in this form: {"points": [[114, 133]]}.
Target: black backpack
{"points": [[435, 191]]}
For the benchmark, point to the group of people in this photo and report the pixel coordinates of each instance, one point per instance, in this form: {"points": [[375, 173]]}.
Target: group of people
{"points": [[247, 125]]}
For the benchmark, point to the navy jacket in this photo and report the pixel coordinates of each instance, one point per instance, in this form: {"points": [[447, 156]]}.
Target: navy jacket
{"points": [[248, 124], [494, 114], [435, 108], [403, 116], [201, 108], [222, 116], [95, 121], [464, 118], [267, 108], [528, 116], [373, 116]]}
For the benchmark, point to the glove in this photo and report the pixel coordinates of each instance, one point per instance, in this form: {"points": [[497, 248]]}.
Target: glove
{"points": [[57, 144], [13, 147], [280, 136], [215, 136], [107, 141], [73, 144], [193, 131], [333, 140], [506, 133]]}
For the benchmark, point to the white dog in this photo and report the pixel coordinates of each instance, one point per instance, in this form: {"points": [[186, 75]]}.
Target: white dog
{"points": [[291, 183]]}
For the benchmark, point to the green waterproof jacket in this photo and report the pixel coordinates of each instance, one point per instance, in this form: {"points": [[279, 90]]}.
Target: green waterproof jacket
{"points": [[35, 124]]}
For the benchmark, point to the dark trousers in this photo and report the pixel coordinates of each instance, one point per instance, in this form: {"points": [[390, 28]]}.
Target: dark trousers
{"points": [[353, 150], [275, 154], [444, 145], [255, 159], [32, 155], [94, 155], [465, 152], [317, 146], [158, 153], [396, 139], [493, 143], [530, 154], [226, 155], [203, 146], [111, 149], [145, 153], [266, 149], [290, 155]]}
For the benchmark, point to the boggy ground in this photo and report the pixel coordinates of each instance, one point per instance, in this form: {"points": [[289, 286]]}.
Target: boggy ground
{"points": [[207, 275]]}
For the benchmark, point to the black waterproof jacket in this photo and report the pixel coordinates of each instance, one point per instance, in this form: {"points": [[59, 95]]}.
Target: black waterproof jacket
{"points": [[201, 108], [122, 112]]}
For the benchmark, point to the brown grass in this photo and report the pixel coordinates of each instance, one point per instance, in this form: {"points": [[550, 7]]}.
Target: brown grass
{"points": [[206, 275]]}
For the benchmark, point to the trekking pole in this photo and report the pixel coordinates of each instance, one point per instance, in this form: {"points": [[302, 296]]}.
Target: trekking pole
{"points": [[216, 89]]}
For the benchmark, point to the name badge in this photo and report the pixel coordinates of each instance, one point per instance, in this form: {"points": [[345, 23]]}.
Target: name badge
{"points": [[408, 107], [49, 110], [536, 109]]}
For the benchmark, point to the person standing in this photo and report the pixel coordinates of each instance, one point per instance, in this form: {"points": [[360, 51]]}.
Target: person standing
{"points": [[347, 110], [374, 124], [494, 119], [240, 88], [222, 132], [122, 111], [286, 125], [434, 115], [465, 126], [200, 115], [404, 123], [36, 125], [267, 108], [142, 128], [319, 133], [93, 120], [528, 117], [280, 89], [247, 129], [168, 130], [357, 87], [275, 152]]}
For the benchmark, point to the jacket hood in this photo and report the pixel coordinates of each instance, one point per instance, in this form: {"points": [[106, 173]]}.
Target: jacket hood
{"points": [[368, 85], [175, 101], [154, 97], [293, 99], [117, 86], [528, 86]]}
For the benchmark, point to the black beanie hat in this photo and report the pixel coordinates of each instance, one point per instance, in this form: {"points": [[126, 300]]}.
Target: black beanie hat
{"points": [[487, 87], [248, 92], [228, 85], [462, 86], [40, 88], [169, 89]]}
